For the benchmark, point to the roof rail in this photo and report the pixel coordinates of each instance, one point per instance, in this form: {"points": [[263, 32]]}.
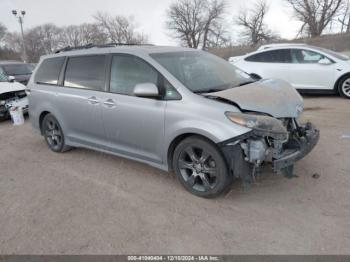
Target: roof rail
{"points": [[70, 48], [263, 47]]}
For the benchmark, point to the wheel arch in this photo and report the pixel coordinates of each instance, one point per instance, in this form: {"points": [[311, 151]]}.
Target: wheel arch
{"points": [[336, 85], [41, 118], [177, 140]]}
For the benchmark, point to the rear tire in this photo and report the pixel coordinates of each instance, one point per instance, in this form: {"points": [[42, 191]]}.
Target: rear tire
{"points": [[344, 86], [53, 134], [201, 167]]}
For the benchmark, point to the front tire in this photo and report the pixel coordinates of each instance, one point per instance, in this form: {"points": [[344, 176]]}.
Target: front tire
{"points": [[53, 134], [344, 86], [201, 168]]}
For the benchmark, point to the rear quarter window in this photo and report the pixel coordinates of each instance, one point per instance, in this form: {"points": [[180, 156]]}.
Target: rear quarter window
{"points": [[86, 72], [49, 71], [272, 56]]}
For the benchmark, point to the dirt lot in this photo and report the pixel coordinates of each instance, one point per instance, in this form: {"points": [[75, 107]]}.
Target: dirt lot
{"points": [[84, 202]]}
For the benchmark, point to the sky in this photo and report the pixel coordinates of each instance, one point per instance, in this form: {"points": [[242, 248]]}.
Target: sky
{"points": [[149, 15]]}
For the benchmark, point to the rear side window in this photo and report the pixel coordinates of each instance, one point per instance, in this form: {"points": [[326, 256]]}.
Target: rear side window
{"points": [[49, 71], [87, 72], [273, 56]]}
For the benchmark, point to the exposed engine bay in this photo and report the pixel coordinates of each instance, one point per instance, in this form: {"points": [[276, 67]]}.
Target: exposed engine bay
{"points": [[12, 99], [276, 137], [281, 150]]}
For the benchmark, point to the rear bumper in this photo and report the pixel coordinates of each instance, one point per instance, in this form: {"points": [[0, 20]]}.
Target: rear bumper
{"points": [[306, 142]]}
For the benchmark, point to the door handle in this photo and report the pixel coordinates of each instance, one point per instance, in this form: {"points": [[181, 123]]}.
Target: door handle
{"points": [[109, 103], [93, 100]]}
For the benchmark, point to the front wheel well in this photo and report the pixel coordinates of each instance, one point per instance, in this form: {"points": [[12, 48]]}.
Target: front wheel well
{"points": [[41, 118], [177, 141], [336, 85]]}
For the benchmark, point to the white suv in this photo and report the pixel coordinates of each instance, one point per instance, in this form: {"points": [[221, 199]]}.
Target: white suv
{"points": [[307, 68]]}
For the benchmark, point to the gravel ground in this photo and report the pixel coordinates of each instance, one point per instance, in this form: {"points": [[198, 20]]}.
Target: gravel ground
{"points": [[85, 202]]}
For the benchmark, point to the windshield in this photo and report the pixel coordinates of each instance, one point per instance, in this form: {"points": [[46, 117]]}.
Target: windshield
{"points": [[3, 77], [334, 54], [17, 69], [202, 72]]}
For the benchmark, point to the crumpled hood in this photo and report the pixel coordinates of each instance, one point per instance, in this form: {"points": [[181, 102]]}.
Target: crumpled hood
{"points": [[6, 87], [274, 97]]}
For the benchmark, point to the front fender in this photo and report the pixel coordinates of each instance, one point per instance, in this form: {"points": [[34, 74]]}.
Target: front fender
{"points": [[215, 132]]}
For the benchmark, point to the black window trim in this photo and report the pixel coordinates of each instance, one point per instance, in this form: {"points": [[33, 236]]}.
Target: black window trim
{"points": [[107, 78], [289, 48], [317, 52], [267, 51], [62, 76], [160, 75]]}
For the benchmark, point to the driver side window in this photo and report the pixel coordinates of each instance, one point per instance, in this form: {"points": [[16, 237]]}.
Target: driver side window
{"points": [[301, 56], [128, 71]]}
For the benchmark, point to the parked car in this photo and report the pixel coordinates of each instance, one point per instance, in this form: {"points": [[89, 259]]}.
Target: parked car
{"points": [[12, 94], [307, 68], [17, 71], [173, 108]]}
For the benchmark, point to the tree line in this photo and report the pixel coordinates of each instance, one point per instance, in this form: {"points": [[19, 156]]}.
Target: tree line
{"points": [[192, 23]]}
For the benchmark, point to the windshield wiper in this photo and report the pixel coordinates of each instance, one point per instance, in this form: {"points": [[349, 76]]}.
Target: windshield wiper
{"points": [[247, 83], [212, 90]]}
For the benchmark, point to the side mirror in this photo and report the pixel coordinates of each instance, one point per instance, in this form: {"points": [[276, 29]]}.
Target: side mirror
{"points": [[324, 61], [11, 79], [146, 90]]}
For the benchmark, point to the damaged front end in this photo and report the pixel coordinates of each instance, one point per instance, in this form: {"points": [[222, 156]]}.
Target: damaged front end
{"points": [[16, 98], [280, 142]]}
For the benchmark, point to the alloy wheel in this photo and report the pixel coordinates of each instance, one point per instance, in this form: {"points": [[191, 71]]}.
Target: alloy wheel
{"points": [[198, 169], [346, 87], [53, 134]]}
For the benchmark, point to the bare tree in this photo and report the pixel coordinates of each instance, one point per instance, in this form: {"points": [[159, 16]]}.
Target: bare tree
{"points": [[193, 22], [3, 31], [39, 40], [78, 35], [253, 22], [219, 37], [213, 28], [5, 52], [119, 29], [344, 18], [315, 15]]}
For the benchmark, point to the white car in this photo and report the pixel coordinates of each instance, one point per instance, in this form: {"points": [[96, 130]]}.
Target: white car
{"points": [[12, 94], [306, 67]]}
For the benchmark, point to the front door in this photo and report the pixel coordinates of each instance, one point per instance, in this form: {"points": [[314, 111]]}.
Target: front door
{"points": [[134, 125], [307, 73]]}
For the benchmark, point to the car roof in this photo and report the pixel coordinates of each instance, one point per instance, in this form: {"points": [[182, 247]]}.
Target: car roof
{"points": [[129, 49], [284, 45], [10, 62]]}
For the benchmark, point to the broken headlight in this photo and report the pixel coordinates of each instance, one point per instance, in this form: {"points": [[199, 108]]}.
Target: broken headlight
{"points": [[264, 125]]}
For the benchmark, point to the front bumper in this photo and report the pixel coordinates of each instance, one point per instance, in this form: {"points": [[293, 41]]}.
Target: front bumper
{"points": [[305, 140], [245, 154], [22, 103]]}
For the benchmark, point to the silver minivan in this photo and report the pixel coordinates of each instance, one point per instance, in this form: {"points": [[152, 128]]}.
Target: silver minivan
{"points": [[173, 108]]}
